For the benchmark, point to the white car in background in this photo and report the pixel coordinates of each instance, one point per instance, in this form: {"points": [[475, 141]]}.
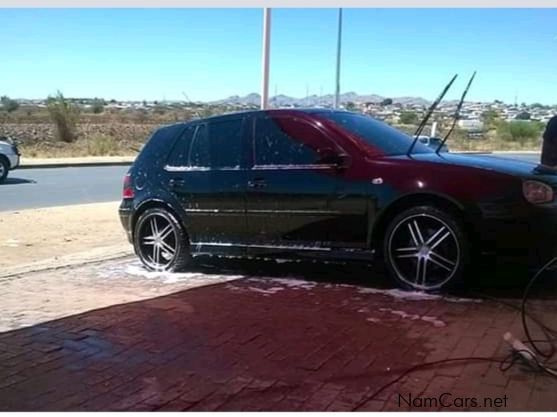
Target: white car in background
{"points": [[433, 142], [9, 156]]}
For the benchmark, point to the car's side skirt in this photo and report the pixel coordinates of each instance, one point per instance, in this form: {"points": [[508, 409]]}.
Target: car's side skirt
{"points": [[280, 251]]}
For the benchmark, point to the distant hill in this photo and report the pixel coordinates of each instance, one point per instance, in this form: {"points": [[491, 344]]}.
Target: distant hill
{"points": [[314, 100]]}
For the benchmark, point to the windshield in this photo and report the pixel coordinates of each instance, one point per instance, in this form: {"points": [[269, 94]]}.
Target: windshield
{"points": [[377, 134]]}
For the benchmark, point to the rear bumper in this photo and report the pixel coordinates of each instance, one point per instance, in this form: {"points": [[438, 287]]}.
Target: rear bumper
{"points": [[14, 160], [126, 215]]}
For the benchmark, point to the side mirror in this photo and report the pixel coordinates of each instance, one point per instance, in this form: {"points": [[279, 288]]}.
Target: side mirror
{"points": [[343, 161], [331, 157]]}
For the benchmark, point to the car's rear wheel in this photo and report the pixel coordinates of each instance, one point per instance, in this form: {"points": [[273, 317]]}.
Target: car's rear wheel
{"points": [[4, 168], [426, 249], [160, 241]]}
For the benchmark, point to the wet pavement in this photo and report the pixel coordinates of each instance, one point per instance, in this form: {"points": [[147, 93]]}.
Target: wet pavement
{"points": [[257, 336]]}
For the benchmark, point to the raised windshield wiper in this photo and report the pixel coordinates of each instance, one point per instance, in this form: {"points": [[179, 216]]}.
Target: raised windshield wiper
{"points": [[429, 113], [457, 113]]}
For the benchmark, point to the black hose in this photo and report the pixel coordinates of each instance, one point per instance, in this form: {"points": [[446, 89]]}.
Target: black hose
{"points": [[425, 365], [547, 330], [505, 363]]}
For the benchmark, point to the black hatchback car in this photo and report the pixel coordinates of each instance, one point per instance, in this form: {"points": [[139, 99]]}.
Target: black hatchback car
{"points": [[331, 184]]}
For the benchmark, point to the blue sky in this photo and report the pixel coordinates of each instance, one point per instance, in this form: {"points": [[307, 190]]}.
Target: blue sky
{"points": [[157, 54]]}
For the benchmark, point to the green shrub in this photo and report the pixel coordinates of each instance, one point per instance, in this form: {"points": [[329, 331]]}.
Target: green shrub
{"points": [[490, 119], [518, 131], [8, 104], [65, 116], [408, 118], [97, 107]]}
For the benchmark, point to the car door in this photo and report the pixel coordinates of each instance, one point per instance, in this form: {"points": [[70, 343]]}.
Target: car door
{"points": [[226, 217], [205, 173], [291, 186], [188, 179]]}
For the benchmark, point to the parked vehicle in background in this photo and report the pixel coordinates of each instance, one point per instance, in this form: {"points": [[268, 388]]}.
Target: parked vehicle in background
{"points": [[433, 143], [475, 134], [331, 184], [9, 156]]}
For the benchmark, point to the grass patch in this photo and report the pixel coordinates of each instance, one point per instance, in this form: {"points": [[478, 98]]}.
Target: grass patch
{"points": [[103, 145]]}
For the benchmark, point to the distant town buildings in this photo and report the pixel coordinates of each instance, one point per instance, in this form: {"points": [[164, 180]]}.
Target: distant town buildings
{"points": [[390, 110]]}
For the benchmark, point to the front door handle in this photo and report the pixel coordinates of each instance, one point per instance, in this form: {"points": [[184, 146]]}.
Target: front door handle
{"points": [[257, 183], [173, 182]]}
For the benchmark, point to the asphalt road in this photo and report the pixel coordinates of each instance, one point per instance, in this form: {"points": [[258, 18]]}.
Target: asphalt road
{"points": [[47, 187], [529, 157]]}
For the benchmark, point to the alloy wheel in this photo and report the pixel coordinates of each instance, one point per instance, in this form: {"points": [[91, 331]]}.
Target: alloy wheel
{"points": [[424, 251], [158, 241]]}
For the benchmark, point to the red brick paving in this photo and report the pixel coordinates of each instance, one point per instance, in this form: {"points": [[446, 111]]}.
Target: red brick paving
{"points": [[258, 344]]}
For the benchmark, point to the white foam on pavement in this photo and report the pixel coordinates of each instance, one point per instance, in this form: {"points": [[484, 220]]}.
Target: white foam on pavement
{"points": [[136, 269], [415, 295], [430, 319]]}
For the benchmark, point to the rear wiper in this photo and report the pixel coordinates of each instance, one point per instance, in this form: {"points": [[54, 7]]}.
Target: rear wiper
{"points": [[457, 113], [429, 113]]}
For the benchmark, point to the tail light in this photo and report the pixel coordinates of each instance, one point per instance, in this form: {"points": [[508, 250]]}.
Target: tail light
{"points": [[127, 191], [537, 192]]}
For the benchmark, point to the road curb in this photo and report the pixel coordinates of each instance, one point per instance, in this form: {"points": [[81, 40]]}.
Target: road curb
{"points": [[474, 152], [74, 164], [49, 265]]}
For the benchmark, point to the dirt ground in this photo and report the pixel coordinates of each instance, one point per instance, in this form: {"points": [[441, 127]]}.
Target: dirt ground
{"points": [[36, 238]]}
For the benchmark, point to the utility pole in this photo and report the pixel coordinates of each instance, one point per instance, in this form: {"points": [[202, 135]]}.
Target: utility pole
{"points": [[265, 63], [339, 39]]}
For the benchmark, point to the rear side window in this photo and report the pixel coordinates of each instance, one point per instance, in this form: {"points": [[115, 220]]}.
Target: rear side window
{"points": [[156, 150], [179, 154], [286, 141], [225, 138], [200, 155]]}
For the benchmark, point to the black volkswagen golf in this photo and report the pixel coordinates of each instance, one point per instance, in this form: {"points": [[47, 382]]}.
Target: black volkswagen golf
{"points": [[330, 184]]}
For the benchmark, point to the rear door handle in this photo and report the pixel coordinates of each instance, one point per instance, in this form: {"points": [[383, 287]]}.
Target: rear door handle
{"points": [[257, 183], [173, 182]]}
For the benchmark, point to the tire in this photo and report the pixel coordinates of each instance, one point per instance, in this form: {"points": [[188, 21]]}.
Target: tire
{"points": [[156, 252], [425, 249], [4, 168]]}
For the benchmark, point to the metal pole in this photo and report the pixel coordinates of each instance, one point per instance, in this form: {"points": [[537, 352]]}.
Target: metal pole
{"points": [[339, 38], [433, 129], [265, 63]]}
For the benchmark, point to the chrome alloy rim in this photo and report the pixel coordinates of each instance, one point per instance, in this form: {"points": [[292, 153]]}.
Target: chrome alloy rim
{"points": [[424, 251], [158, 242]]}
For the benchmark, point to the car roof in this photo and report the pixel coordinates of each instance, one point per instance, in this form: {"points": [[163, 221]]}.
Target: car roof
{"points": [[275, 111]]}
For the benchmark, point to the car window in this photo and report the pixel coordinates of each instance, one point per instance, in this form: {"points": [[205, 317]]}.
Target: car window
{"points": [[155, 150], [200, 155], [286, 141], [225, 138], [377, 134], [179, 154]]}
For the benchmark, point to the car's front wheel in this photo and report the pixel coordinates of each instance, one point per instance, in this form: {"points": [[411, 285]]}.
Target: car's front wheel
{"points": [[426, 249], [160, 241]]}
